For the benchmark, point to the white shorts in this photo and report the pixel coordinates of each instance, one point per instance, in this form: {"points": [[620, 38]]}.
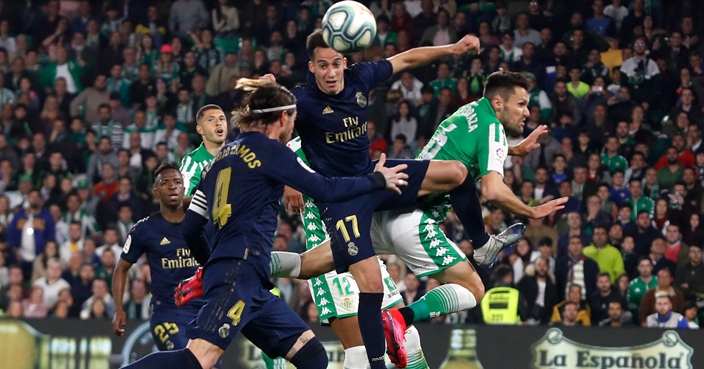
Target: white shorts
{"points": [[337, 295], [416, 239]]}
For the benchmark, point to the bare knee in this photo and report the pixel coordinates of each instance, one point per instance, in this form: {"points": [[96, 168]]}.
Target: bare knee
{"points": [[458, 173], [478, 290], [367, 275], [463, 274], [206, 353]]}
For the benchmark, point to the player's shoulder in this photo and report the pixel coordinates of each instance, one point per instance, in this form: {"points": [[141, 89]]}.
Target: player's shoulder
{"points": [[190, 157], [144, 224], [301, 92], [477, 115]]}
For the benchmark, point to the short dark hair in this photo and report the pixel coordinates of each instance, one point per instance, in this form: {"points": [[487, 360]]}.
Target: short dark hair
{"points": [[603, 274], [504, 83], [201, 112], [547, 241], [163, 167], [315, 40], [644, 257]]}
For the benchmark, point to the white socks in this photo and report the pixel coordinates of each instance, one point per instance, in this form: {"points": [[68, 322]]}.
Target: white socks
{"points": [[285, 264], [356, 358]]}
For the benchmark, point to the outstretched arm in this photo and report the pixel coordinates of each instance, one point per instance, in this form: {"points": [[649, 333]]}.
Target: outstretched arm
{"points": [[290, 170], [419, 56], [529, 144], [496, 191]]}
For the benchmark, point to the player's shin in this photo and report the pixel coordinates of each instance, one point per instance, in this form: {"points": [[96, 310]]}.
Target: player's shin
{"points": [[183, 358], [371, 328], [416, 359], [465, 202], [285, 264], [443, 300]]}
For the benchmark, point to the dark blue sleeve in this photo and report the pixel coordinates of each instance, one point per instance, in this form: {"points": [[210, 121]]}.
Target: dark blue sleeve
{"points": [[284, 166], [193, 226], [373, 73], [135, 245], [193, 230]]}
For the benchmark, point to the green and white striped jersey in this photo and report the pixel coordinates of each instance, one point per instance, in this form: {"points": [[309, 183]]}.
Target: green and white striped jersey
{"points": [[192, 166]]}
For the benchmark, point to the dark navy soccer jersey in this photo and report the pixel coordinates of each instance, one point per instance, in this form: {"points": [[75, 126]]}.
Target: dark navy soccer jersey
{"points": [[169, 258], [244, 184], [333, 128]]}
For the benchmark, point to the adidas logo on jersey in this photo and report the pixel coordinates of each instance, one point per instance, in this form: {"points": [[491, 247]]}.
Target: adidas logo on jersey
{"points": [[327, 110], [164, 241]]}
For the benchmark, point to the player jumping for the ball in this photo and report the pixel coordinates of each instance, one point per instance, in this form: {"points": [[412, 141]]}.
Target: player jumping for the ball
{"points": [[475, 136], [244, 183], [332, 125]]}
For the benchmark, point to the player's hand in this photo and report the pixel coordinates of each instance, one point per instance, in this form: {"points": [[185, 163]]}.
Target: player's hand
{"points": [[118, 322], [269, 76], [293, 201], [548, 208], [393, 176], [529, 144], [466, 44]]}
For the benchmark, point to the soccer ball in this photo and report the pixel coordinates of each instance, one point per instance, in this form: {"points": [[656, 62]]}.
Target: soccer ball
{"points": [[349, 27]]}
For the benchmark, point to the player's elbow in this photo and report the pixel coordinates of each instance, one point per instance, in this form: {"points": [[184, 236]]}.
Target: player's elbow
{"points": [[490, 194], [490, 190]]}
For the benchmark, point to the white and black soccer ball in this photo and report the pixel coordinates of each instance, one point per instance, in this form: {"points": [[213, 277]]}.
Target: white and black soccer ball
{"points": [[349, 27]]}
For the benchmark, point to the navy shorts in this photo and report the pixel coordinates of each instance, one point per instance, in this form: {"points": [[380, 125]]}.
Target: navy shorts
{"points": [[348, 223], [237, 301], [168, 327]]}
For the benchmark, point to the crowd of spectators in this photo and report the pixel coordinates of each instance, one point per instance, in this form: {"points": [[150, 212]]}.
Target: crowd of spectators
{"points": [[96, 94]]}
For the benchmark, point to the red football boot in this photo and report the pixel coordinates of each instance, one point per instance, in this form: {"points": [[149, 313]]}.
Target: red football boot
{"points": [[395, 332], [189, 289]]}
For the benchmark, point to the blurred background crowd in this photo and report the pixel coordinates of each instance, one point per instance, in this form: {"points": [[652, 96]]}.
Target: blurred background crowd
{"points": [[96, 94]]}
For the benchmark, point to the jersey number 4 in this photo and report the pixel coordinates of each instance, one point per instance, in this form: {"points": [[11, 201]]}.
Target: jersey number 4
{"points": [[235, 312], [222, 210]]}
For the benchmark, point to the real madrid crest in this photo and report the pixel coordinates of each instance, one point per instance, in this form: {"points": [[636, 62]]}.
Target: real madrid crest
{"points": [[352, 249], [224, 331], [361, 100]]}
